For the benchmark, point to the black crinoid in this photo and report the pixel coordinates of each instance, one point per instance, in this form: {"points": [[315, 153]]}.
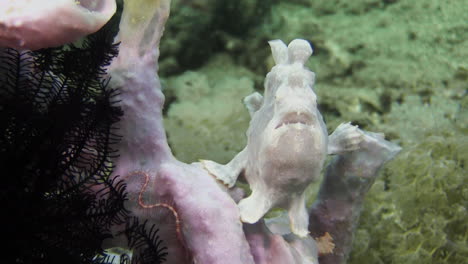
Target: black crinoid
{"points": [[57, 123]]}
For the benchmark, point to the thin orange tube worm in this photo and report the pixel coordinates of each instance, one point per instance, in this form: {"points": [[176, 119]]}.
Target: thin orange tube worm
{"points": [[164, 205]]}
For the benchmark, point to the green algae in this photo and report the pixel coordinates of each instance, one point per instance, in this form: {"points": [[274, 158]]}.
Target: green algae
{"points": [[208, 119], [416, 212]]}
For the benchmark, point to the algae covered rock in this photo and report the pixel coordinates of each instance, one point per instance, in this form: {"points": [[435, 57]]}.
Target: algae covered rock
{"points": [[198, 29], [208, 119], [417, 212]]}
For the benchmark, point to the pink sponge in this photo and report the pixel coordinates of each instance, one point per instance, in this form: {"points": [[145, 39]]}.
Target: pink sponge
{"points": [[36, 24]]}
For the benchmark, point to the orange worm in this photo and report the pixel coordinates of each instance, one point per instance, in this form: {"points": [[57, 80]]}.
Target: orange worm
{"points": [[164, 205]]}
